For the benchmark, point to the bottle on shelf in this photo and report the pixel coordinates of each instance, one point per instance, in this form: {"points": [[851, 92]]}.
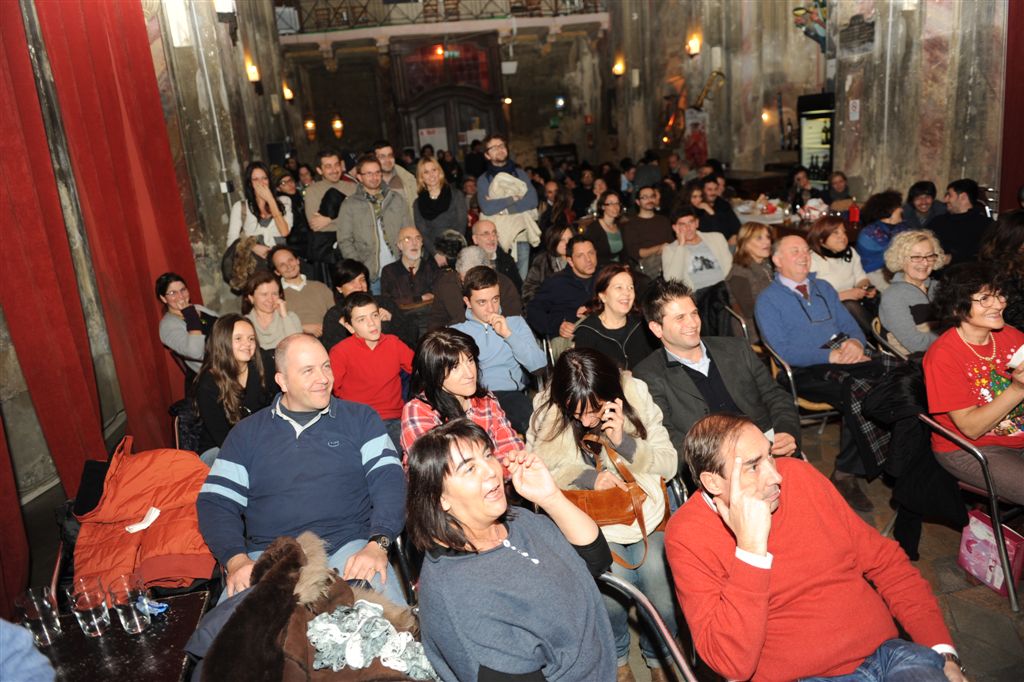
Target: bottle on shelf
{"points": [[854, 214], [826, 134]]}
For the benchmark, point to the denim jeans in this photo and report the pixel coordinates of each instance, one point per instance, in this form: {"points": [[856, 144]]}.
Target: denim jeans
{"points": [[392, 590], [895, 661], [523, 259], [652, 578]]}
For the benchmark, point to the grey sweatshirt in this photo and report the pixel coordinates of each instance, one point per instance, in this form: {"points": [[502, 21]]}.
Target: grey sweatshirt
{"points": [[897, 312]]}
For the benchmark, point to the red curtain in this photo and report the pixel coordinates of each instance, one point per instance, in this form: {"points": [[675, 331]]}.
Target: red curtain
{"points": [[110, 104], [110, 107]]}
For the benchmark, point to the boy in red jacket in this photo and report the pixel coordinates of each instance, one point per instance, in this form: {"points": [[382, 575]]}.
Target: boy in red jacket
{"points": [[367, 365]]}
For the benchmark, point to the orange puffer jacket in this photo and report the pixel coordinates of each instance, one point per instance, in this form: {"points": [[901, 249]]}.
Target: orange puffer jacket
{"points": [[170, 552]]}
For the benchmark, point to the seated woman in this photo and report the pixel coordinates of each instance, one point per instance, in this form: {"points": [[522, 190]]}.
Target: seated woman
{"points": [[185, 325], [589, 396], [752, 271], [605, 233], [835, 261], [801, 189], [497, 582], [971, 388], [350, 276], [549, 261], [446, 386], [232, 383], [882, 218], [905, 310], [613, 324], [261, 212], [264, 306]]}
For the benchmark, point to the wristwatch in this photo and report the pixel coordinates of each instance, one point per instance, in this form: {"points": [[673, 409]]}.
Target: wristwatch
{"points": [[954, 659], [384, 542]]}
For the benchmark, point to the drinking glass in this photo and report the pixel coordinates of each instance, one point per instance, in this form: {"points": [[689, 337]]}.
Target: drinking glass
{"points": [[128, 598], [38, 610], [89, 604]]}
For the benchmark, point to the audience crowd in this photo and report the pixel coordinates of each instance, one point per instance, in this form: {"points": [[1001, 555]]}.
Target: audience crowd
{"points": [[463, 353]]}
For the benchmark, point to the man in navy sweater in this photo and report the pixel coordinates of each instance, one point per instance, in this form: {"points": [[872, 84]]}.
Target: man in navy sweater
{"points": [[560, 302], [307, 462], [803, 320]]}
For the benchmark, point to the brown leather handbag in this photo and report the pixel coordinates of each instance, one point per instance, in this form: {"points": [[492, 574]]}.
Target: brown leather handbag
{"points": [[615, 506]]}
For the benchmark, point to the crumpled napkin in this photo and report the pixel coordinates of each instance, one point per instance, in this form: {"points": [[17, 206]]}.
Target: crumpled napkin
{"points": [[355, 635]]}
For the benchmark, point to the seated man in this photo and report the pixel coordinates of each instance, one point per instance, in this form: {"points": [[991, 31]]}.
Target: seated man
{"points": [[779, 580], [695, 376], [961, 227], [409, 280], [562, 298], [307, 462], [306, 298], [723, 219], [485, 235], [449, 308], [506, 345], [803, 320], [367, 365]]}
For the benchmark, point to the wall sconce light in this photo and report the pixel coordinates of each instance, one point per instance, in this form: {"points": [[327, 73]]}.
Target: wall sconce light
{"points": [[693, 45], [559, 103], [439, 50], [310, 127], [619, 67], [506, 100], [765, 116], [287, 93], [253, 73], [338, 126]]}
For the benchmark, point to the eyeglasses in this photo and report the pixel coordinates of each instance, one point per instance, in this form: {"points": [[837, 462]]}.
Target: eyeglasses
{"points": [[612, 203], [989, 300], [930, 258], [176, 292]]}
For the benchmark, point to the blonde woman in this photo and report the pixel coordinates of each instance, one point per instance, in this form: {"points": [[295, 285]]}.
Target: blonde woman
{"points": [[752, 271], [906, 305], [438, 207]]}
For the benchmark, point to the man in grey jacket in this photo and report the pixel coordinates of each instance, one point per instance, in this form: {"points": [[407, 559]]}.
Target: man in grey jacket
{"points": [[369, 221], [692, 377]]}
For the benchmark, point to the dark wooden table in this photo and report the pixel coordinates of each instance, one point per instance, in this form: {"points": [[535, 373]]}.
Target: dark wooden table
{"points": [[155, 655]]}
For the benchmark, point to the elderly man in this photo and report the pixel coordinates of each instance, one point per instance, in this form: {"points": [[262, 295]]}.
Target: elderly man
{"points": [[409, 280], [485, 235], [449, 308], [308, 299], [307, 462], [507, 346], [694, 376], [779, 580], [803, 320], [370, 221]]}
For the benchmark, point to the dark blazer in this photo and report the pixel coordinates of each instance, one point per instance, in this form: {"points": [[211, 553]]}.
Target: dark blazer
{"points": [[746, 378]]}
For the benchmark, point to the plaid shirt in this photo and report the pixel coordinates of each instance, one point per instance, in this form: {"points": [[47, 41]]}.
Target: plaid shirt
{"points": [[418, 417]]}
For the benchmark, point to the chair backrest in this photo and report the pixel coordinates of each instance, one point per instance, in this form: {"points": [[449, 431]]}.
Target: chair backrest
{"points": [[879, 333]]}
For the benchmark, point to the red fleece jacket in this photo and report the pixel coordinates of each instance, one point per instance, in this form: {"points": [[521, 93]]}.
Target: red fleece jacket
{"points": [[813, 613]]}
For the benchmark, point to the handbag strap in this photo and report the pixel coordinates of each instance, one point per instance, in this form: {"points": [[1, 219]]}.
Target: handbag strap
{"points": [[634, 496]]}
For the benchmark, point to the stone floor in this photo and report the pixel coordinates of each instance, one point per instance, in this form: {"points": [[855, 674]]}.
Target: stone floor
{"points": [[987, 634]]}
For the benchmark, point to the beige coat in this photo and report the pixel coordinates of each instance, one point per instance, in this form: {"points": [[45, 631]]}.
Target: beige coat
{"points": [[655, 457]]}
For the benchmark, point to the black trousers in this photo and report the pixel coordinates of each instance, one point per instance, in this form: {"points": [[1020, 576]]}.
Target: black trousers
{"points": [[812, 385], [517, 408]]}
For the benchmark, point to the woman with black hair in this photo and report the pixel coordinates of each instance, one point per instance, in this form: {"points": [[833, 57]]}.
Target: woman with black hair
{"points": [[613, 325], [185, 325], [262, 213], [605, 233], [589, 407], [547, 262], [882, 218], [350, 276], [974, 374], [232, 383], [497, 581], [446, 385]]}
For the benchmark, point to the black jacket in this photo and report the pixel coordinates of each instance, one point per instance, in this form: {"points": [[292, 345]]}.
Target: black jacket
{"points": [[557, 301], [591, 333]]}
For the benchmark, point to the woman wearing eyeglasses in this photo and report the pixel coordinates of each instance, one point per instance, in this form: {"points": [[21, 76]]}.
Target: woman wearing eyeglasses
{"points": [[604, 232], [975, 381], [905, 309]]}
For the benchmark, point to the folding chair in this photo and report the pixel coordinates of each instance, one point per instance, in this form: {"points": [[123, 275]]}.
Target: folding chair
{"points": [[403, 562], [644, 604], [993, 501], [756, 347], [879, 333], [823, 411]]}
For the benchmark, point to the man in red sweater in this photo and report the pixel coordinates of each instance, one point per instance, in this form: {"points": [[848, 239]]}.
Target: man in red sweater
{"points": [[771, 567], [367, 365]]}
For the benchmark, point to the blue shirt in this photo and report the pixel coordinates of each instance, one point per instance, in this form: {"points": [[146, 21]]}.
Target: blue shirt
{"points": [[502, 360], [338, 475]]}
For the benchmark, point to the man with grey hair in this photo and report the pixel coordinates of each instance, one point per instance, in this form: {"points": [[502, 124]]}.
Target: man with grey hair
{"points": [[485, 235], [308, 462], [449, 308]]}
